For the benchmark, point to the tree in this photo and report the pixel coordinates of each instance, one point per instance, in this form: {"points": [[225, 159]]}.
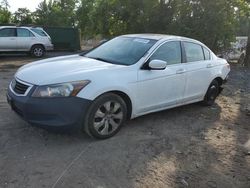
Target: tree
{"points": [[212, 22], [5, 4], [247, 15], [56, 13], [5, 14], [23, 16], [83, 16]]}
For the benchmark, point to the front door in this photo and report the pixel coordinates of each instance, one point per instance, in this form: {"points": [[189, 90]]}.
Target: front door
{"points": [[160, 89], [8, 40]]}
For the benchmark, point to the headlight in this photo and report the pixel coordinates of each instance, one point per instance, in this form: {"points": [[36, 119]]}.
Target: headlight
{"points": [[60, 90]]}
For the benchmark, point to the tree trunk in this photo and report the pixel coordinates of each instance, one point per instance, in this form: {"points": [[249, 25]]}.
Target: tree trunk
{"points": [[247, 57]]}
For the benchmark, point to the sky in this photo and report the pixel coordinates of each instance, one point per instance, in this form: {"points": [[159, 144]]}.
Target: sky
{"points": [[30, 4]]}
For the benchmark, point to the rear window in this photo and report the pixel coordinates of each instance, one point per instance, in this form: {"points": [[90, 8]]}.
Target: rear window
{"points": [[194, 52], [206, 54], [39, 32]]}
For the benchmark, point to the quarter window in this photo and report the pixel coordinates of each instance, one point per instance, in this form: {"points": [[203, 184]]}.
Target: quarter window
{"points": [[206, 54], [194, 52], [169, 52], [39, 32], [8, 32], [24, 33]]}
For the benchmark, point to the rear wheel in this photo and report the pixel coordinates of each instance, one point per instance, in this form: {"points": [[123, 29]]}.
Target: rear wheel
{"points": [[105, 116], [37, 51], [212, 93]]}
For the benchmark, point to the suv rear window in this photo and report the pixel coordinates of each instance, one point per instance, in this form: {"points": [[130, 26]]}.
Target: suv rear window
{"points": [[39, 32], [24, 33]]}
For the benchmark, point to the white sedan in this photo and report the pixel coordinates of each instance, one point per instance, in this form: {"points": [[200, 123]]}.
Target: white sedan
{"points": [[124, 78]]}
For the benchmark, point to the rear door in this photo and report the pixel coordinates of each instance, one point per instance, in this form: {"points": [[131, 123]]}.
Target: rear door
{"points": [[8, 39], [199, 71], [25, 39]]}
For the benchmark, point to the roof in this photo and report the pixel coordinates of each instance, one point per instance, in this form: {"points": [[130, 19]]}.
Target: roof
{"points": [[1, 27], [150, 36], [161, 36]]}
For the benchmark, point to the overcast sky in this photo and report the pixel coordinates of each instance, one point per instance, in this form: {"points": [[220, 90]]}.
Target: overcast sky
{"points": [[30, 4]]}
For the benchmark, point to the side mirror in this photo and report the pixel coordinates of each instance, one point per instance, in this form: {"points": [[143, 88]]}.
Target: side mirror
{"points": [[157, 65]]}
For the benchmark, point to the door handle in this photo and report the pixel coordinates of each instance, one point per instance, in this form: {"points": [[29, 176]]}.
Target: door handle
{"points": [[12, 39], [180, 71], [209, 65]]}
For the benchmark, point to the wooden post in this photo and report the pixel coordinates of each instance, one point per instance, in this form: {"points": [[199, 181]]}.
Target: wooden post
{"points": [[247, 57]]}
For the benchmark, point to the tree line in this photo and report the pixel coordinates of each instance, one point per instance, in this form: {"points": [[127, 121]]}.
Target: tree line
{"points": [[214, 22]]}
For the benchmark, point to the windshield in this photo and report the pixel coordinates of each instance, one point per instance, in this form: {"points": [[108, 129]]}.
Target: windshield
{"points": [[122, 50], [39, 32]]}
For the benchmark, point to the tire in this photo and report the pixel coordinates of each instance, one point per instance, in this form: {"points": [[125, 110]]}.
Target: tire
{"points": [[105, 116], [212, 93], [37, 51]]}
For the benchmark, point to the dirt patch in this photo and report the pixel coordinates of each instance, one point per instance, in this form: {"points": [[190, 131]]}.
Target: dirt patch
{"points": [[13, 61], [190, 146]]}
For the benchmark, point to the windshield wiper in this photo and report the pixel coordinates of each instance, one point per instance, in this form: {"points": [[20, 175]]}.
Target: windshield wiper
{"points": [[105, 60]]}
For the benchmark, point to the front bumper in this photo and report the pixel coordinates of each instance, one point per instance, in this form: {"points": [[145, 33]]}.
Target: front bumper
{"points": [[49, 112], [49, 47], [226, 79]]}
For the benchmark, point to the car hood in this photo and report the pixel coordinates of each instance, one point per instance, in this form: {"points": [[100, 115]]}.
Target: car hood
{"points": [[62, 69]]}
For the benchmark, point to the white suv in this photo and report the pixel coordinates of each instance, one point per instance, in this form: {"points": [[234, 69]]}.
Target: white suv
{"points": [[124, 78], [24, 39]]}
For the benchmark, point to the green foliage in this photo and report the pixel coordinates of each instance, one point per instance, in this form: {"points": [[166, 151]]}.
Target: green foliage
{"points": [[56, 13], [22, 16], [5, 14], [213, 22]]}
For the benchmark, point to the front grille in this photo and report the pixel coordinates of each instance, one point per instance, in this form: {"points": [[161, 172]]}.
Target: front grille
{"points": [[19, 88]]}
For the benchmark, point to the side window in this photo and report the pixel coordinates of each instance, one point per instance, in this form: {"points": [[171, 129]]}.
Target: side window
{"points": [[8, 32], [206, 54], [169, 52], [194, 52], [24, 33], [39, 32]]}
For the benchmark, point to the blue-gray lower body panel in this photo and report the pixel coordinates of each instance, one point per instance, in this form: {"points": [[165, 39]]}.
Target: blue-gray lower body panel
{"points": [[49, 112]]}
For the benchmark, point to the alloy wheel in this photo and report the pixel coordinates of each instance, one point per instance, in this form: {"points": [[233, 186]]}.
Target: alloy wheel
{"points": [[108, 118], [38, 52]]}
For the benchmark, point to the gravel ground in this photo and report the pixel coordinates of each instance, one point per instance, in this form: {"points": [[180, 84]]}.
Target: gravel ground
{"points": [[190, 146]]}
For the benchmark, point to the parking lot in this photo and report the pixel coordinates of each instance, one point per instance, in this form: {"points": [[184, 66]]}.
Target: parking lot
{"points": [[190, 146]]}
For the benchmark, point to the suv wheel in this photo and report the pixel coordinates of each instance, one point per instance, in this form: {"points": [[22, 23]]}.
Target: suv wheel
{"points": [[212, 93], [105, 116], [37, 51]]}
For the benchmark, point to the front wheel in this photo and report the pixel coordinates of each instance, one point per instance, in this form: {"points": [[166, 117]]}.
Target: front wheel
{"points": [[212, 93], [105, 116]]}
